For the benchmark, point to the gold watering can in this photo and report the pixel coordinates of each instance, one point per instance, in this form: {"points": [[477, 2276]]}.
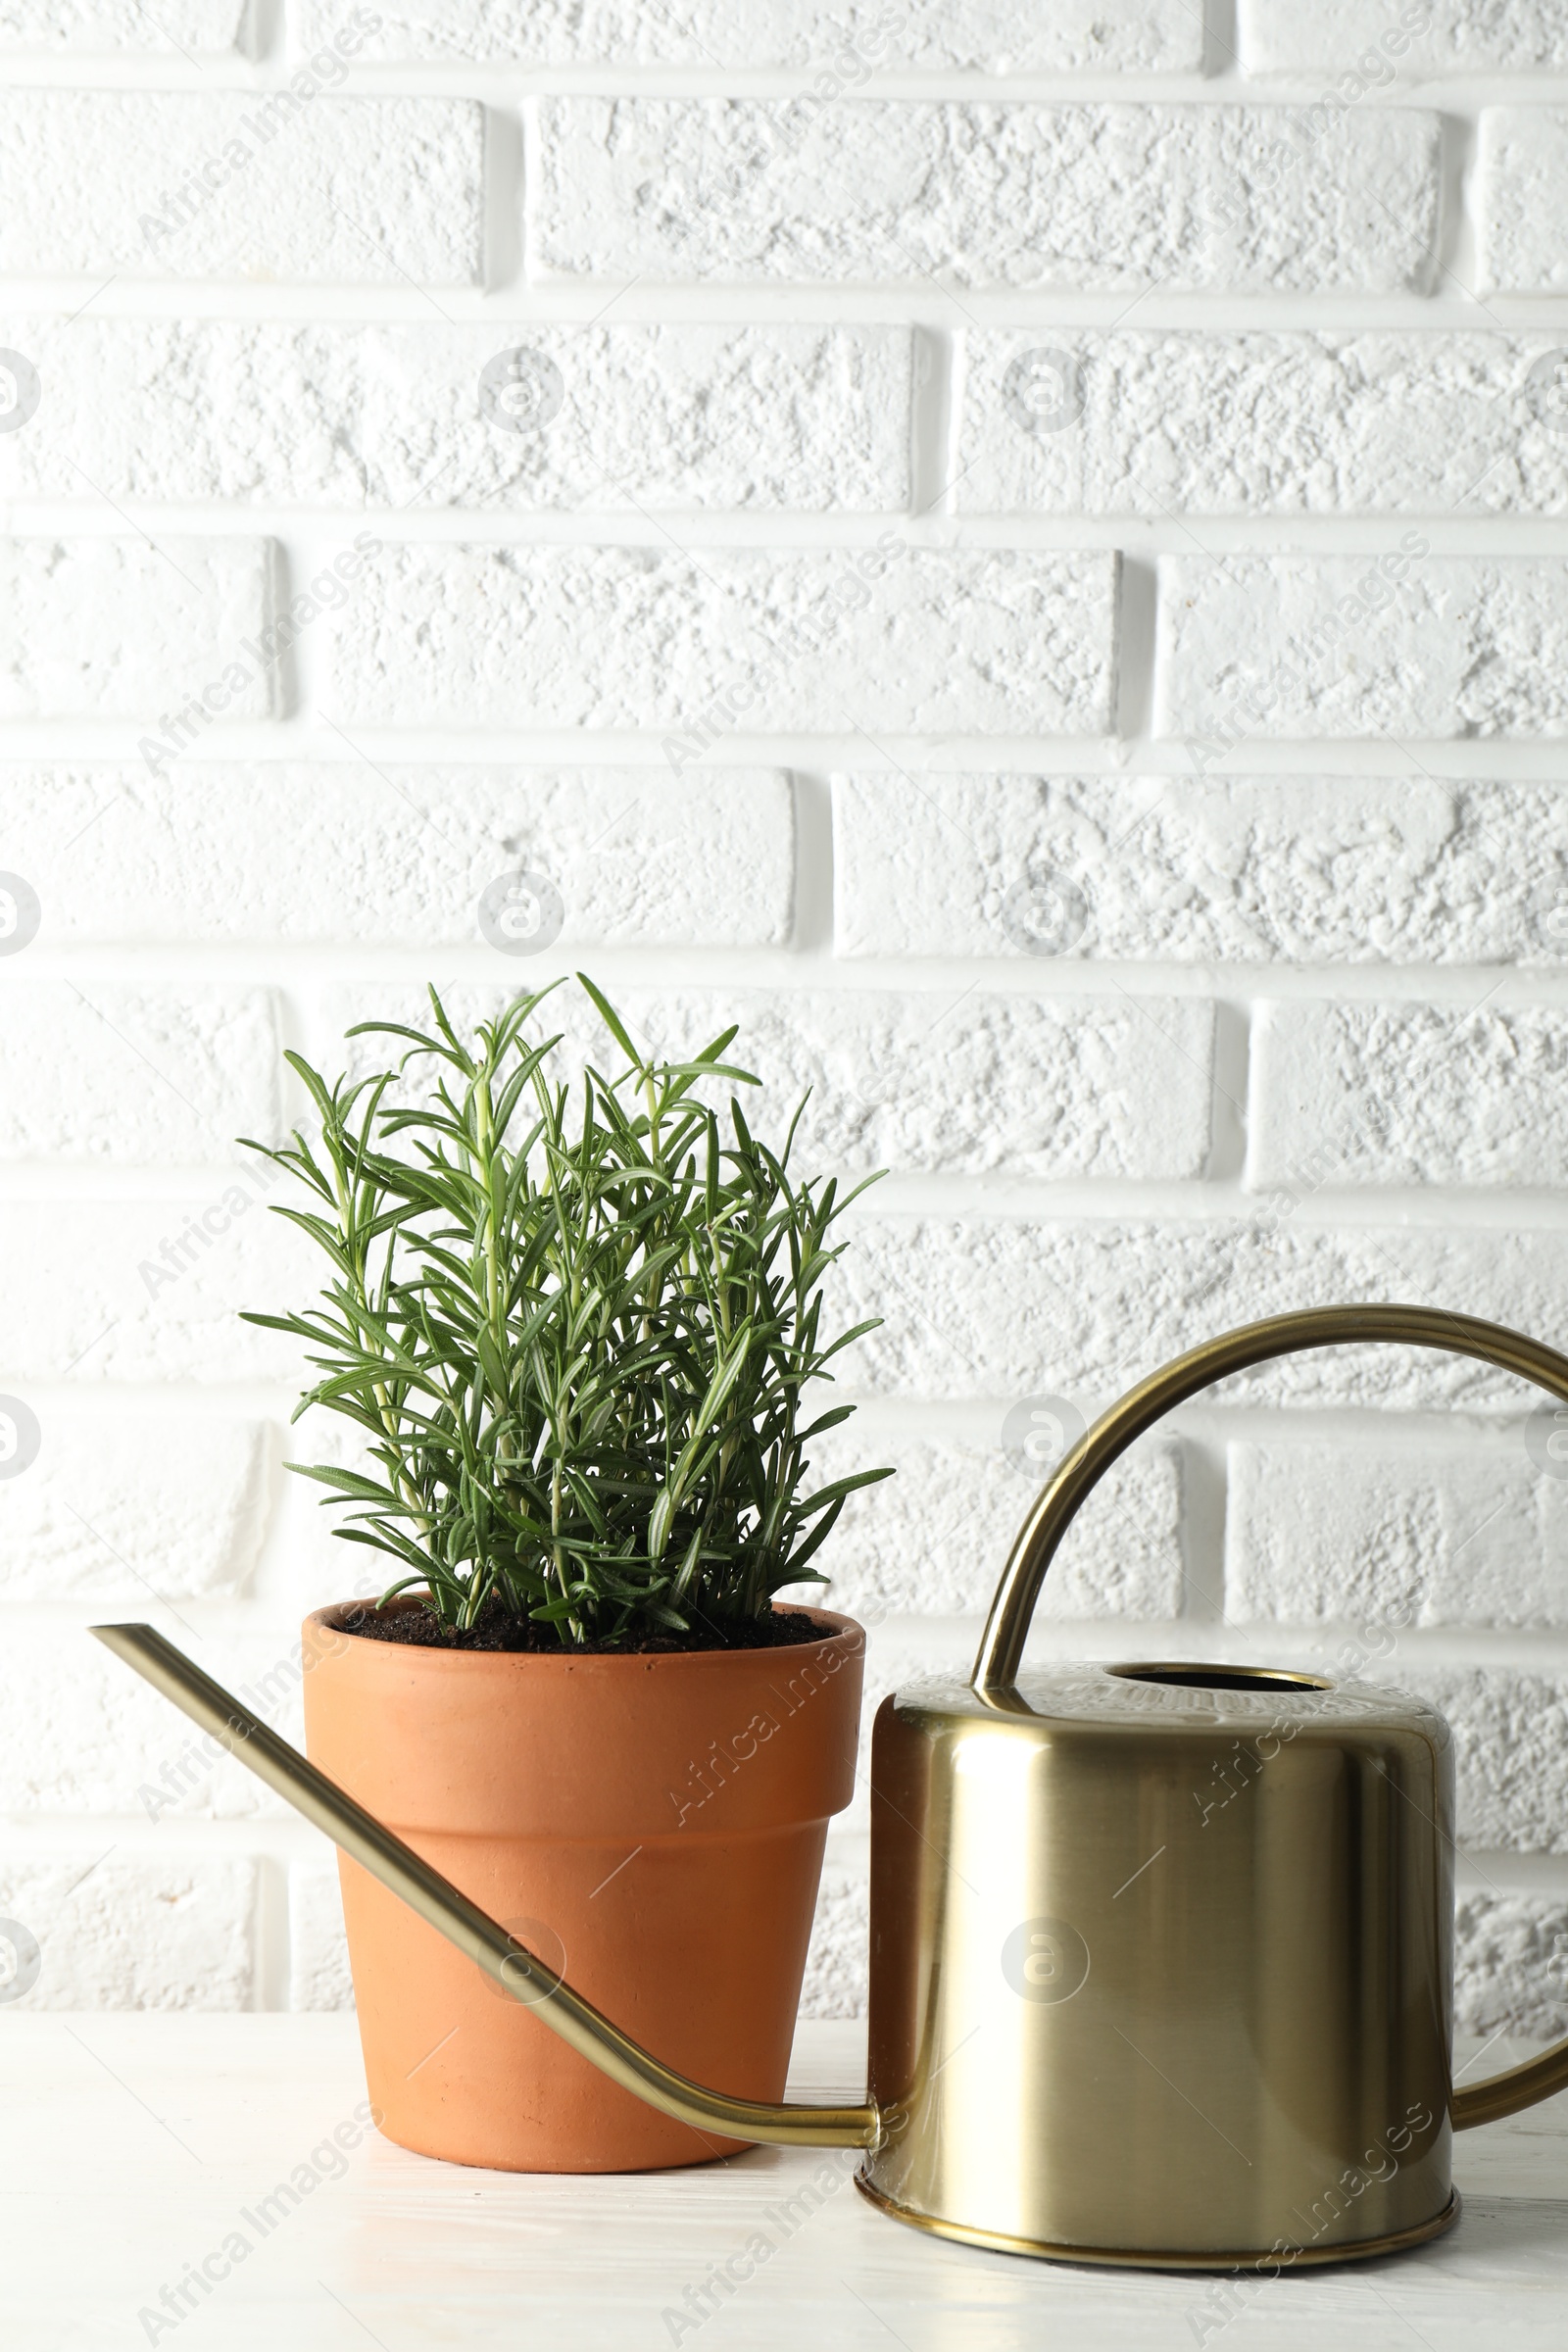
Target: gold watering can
{"points": [[1113, 2017]]}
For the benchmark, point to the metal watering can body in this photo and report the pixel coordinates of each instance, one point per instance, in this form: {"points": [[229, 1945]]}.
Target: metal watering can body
{"points": [[1161, 1967], [1160, 1955]]}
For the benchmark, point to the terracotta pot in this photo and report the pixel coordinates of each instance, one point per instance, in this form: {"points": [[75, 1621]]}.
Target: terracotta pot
{"points": [[652, 1826]]}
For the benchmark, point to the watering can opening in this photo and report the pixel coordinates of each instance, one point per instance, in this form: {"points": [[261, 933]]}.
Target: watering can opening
{"points": [[1222, 1677], [1156, 1980]]}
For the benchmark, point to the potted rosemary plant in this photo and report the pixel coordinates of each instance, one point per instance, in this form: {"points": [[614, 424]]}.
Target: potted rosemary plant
{"points": [[573, 1326]]}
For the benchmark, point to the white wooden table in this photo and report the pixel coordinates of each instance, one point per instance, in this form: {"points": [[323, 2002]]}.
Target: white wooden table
{"points": [[135, 2146]]}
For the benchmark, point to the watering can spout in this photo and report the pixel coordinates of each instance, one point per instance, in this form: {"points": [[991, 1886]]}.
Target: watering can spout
{"points": [[519, 1972]]}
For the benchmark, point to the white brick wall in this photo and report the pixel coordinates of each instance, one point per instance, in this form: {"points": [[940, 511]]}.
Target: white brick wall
{"points": [[1482, 1095], [121, 1506], [137, 1931], [1466, 1536], [200, 27], [75, 1068], [847, 36], [983, 195], [1337, 38], [1286, 424], [1523, 154], [928, 1540], [396, 855], [1286, 869], [902, 639], [197, 184], [1023, 1305], [799, 417], [130, 628], [1394, 642], [1008, 548]]}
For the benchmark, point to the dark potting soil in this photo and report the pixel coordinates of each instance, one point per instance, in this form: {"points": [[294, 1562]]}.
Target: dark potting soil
{"points": [[495, 1629]]}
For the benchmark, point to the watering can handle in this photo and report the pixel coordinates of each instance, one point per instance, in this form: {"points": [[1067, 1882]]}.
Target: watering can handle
{"points": [[1037, 1539]]}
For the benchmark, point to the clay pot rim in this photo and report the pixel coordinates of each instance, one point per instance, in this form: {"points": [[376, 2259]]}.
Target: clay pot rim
{"points": [[843, 1630]]}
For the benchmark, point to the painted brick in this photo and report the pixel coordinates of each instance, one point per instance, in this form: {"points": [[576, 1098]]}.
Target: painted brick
{"points": [[846, 38], [112, 1074], [1019, 1307], [1524, 160], [137, 1930], [341, 414], [1064, 421], [1407, 1093], [311, 1564], [148, 1504], [989, 1083], [319, 1953], [938, 1084], [964, 1084], [400, 856], [1402, 642], [83, 1734], [898, 638], [835, 1982], [1276, 870], [1341, 40], [199, 27], [1510, 1741], [1429, 1533], [369, 191], [119, 628], [134, 1291], [931, 1541], [1510, 1966], [1105, 198], [898, 1652]]}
